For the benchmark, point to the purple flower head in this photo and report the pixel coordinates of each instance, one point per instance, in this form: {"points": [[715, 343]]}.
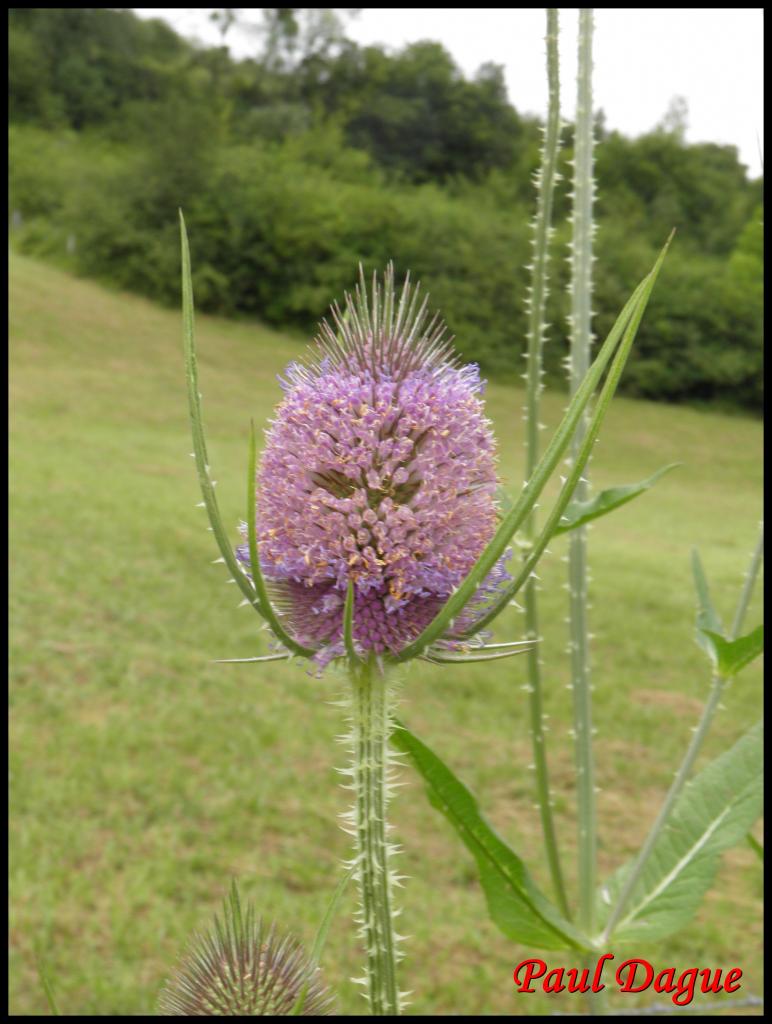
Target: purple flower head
{"points": [[379, 468]]}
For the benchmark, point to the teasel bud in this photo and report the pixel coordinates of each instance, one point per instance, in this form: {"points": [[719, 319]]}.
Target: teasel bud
{"points": [[240, 968]]}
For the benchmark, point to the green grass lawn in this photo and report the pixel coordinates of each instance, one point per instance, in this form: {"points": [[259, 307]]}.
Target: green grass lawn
{"points": [[144, 777]]}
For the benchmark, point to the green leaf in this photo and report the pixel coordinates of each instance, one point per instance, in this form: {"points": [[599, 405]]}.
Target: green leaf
{"points": [[756, 846], [479, 654], [281, 656], [199, 443], [616, 345], [730, 656], [519, 909], [348, 623], [707, 616], [538, 547], [321, 935], [45, 981], [202, 460], [580, 512], [714, 812]]}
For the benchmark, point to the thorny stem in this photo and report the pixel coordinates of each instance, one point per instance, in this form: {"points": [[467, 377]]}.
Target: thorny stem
{"points": [[748, 585], [371, 726], [712, 703], [581, 291], [546, 177]]}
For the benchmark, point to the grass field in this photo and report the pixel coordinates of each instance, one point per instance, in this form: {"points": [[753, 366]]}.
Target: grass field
{"points": [[144, 777]]}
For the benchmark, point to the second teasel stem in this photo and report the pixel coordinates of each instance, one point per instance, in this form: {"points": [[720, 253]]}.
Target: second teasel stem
{"points": [[581, 293], [370, 703], [547, 176]]}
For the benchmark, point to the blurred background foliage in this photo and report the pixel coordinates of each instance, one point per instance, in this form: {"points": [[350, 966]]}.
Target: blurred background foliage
{"points": [[318, 153]]}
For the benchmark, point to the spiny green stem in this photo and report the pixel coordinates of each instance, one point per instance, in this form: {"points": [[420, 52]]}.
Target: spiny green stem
{"points": [[713, 701], [547, 176], [581, 292], [748, 585], [371, 720], [540, 760]]}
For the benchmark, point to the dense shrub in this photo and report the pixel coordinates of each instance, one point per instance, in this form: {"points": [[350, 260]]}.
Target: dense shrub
{"points": [[274, 238]]}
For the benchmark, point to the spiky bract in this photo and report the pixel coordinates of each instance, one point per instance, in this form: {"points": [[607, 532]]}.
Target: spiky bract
{"points": [[240, 968]]}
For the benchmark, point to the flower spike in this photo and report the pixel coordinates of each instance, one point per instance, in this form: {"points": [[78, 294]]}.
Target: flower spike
{"points": [[377, 486]]}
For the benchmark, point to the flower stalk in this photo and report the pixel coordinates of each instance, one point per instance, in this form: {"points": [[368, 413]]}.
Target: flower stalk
{"points": [[581, 293], [370, 770], [546, 177]]}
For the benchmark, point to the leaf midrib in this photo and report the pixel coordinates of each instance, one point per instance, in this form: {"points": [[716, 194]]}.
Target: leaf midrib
{"points": [[682, 864]]}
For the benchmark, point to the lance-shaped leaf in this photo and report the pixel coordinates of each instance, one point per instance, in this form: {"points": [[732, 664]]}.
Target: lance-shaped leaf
{"points": [[321, 935], [348, 624], [625, 329], [707, 616], [533, 488], [199, 443], [516, 905], [442, 659], [282, 656], [756, 846], [580, 512], [579, 462], [200, 454], [483, 652], [730, 656], [46, 980], [713, 813]]}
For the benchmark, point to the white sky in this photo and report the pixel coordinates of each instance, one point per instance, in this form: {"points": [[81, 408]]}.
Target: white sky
{"points": [[643, 58]]}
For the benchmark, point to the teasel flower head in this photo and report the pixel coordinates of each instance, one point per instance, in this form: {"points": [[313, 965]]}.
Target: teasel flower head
{"points": [[379, 470], [240, 968]]}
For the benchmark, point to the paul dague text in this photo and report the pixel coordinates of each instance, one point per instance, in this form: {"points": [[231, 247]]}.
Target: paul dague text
{"points": [[634, 975]]}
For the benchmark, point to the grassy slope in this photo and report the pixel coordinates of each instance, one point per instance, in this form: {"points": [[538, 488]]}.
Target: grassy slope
{"points": [[144, 777]]}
